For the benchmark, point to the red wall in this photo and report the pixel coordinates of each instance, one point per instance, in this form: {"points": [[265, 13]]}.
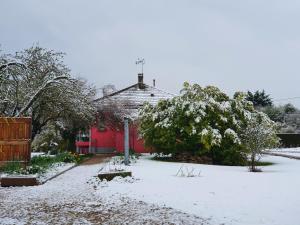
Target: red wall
{"points": [[119, 141], [113, 139], [102, 139]]}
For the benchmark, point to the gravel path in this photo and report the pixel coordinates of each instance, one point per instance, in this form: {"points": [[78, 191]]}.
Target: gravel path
{"points": [[71, 199]]}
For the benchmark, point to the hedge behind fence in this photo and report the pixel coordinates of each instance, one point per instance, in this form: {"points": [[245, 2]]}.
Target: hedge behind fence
{"points": [[290, 140]]}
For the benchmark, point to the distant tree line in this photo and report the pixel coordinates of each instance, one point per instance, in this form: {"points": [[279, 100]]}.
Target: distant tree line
{"points": [[287, 116]]}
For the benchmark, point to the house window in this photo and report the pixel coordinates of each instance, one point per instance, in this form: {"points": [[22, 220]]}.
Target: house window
{"points": [[83, 137]]}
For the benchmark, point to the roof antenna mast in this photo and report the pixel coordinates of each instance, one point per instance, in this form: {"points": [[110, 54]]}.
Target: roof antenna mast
{"points": [[140, 62]]}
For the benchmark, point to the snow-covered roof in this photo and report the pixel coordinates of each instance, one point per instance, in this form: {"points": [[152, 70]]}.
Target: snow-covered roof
{"points": [[136, 97], [129, 100]]}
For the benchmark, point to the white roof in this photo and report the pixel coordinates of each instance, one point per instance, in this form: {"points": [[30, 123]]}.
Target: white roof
{"points": [[132, 98]]}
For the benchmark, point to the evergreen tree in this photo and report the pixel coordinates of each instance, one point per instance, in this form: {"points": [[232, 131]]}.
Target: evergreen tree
{"points": [[259, 98]]}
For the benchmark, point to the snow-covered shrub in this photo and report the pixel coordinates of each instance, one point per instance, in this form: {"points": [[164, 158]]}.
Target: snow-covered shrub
{"points": [[48, 140], [259, 136], [202, 121]]}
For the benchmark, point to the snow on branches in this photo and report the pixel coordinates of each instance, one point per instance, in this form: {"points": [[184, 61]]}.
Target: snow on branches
{"points": [[200, 120], [259, 136], [37, 83]]}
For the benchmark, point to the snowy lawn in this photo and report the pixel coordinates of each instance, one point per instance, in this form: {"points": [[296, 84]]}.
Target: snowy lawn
{"points": [[72, 199], [223, 194], [53, 171]]}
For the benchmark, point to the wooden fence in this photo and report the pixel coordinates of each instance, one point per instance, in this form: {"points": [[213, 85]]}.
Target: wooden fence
{"points": [[15, 134]]}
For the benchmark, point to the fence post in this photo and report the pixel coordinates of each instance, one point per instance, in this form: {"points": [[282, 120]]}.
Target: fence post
{"points": [[90, 141], [126, 141]]}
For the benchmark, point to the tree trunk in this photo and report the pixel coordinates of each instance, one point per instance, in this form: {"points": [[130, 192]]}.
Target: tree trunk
{"points": [[252, 165]]}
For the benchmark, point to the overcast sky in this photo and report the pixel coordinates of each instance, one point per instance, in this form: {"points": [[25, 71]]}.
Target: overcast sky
{"points": [[233, 44]]}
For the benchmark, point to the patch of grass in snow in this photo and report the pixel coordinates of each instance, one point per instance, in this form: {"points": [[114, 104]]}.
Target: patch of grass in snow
{"points": [[169, 158], [132, 154], [40, 164], [184, 159], [120, 157], [11, 167], [264, 163]]}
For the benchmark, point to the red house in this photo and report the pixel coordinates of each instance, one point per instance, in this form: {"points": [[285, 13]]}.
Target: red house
{"points": [[106, 139]]}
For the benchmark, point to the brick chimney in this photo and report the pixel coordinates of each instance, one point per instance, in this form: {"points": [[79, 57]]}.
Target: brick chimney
{"points": [[141, 81]]}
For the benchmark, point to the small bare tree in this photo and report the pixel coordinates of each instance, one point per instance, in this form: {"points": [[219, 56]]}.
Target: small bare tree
{"points": [[111, 112], [259, 136]]}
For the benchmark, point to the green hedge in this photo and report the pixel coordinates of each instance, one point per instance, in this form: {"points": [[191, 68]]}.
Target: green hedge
{"points": [[289, 140]]}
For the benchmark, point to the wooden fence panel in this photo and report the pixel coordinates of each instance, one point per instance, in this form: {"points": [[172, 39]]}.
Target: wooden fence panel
{"points": [[15, 139]]}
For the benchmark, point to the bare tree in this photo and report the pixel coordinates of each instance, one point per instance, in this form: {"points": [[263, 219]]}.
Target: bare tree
{"points": [[111, 112]]}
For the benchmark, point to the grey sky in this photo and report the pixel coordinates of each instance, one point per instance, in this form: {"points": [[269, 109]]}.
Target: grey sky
{"points": [[233, 44]]}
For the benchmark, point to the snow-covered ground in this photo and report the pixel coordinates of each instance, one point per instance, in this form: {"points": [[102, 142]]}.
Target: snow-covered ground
{"points": [[287, 151], [72, 199], [222, 194], [291, 150], [33, 154], [155, 195], [54, 170]]}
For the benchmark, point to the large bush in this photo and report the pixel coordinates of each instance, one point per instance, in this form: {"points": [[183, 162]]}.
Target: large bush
{"points": [[201, 121]]}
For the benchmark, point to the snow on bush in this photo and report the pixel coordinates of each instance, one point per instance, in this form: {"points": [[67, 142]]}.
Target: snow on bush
{"points": [[258, 136], [203, 121]]}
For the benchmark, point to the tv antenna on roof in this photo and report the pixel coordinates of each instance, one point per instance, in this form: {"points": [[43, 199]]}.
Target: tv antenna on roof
{"points": [[140, 62]]}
